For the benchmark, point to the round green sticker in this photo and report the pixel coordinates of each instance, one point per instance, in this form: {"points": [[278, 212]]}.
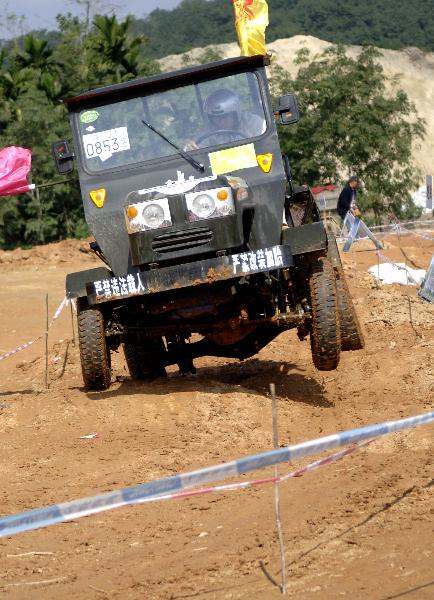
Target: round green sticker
{"points": [[89, 116]]}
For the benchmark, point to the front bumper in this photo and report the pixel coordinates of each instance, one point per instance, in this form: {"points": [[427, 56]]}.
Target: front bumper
{"points": [[208, 271]]}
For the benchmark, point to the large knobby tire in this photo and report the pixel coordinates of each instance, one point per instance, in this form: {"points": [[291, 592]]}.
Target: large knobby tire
{"points": [[94, 353], [351, 332], [325, 338], [135, 360], [144, 360]]}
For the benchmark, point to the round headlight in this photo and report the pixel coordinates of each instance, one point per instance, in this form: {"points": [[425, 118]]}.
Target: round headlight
{"points": [[203, 206], [153, 216]]}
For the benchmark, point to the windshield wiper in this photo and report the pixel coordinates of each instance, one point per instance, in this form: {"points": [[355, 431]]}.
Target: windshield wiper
{"points": [[197, 165]]}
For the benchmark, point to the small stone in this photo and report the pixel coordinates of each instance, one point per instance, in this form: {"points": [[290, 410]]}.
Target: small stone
{"points": [[203, 534]]}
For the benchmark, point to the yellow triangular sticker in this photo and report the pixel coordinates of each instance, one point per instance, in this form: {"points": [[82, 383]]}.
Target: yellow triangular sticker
{"points": [[265, 161], [98, 197]]}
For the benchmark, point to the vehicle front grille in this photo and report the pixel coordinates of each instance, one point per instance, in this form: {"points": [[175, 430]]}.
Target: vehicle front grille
{"points": [[177, 241]]}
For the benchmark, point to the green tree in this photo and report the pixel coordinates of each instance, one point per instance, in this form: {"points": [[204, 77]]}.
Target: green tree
{"points": [[117, 52], [55, 212], [34, 76], [387, 24], [38, 62], [31, 81], [192, 24], [352, 121]]}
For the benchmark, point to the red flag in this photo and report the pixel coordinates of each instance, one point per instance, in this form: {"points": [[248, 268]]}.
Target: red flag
{"points": [[324, 188], [15, 165]]}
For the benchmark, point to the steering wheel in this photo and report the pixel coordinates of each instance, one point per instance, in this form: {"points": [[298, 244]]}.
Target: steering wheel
{"points": [[233, 134]]}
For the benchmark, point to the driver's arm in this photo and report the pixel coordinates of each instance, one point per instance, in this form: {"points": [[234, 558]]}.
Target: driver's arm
{"points": [[190, 145]]}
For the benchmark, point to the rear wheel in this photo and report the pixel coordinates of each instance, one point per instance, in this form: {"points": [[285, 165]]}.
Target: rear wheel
{"points": [[94, 353], [144, 360], [325, 333], [351, 332]]}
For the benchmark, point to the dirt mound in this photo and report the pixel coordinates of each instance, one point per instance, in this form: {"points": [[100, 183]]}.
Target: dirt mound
{"points": [[65, 251]]}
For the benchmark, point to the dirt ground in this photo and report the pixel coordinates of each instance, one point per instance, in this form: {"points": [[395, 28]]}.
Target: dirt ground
{"points": [[361, 528]]}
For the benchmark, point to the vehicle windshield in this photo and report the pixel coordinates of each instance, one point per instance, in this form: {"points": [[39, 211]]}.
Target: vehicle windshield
{"points": [[209, 113]]}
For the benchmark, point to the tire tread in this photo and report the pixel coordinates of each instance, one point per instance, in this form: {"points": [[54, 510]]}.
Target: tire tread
{"points": [[325, 335], [351, 331], [94, 354]]}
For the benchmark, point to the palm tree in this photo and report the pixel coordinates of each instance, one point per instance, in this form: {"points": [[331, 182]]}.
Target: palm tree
{"points": [[118, 52], [37, 61], [35, 54]]}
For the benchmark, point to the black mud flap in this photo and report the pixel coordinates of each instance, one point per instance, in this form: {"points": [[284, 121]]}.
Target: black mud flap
{"points": [[303, 239], [76, 282]]}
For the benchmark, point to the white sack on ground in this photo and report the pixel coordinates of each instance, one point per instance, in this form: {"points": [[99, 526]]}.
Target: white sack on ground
{"points": [[396, 273]]}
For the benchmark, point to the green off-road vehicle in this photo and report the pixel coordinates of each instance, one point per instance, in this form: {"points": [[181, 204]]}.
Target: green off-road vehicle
{"points": [[209, 248]]}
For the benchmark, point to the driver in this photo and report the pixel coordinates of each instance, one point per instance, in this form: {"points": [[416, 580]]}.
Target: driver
{"points": [[225, 121]]}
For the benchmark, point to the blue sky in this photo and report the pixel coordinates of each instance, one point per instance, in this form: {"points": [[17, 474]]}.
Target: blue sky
{"points": [[41, 14]]}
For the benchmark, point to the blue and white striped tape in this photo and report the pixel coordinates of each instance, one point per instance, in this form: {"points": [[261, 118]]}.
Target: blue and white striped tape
{"points": [[145, 492]]}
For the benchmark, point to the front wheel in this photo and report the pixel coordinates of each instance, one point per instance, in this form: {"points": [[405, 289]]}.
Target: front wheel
{"points": [[94, 353], [325, 338]]}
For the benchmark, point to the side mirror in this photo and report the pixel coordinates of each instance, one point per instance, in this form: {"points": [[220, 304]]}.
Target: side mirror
{"points": [[288, 110], [63, 157]]}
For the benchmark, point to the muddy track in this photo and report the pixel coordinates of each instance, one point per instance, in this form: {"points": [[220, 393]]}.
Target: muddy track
{"points": [[361, 528]]}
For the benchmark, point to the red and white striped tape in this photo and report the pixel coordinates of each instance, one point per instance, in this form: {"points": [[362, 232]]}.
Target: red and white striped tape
{"points": [[27, 344]]}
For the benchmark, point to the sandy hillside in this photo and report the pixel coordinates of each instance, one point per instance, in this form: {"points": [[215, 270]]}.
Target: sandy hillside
{"points": [[414, 69]]}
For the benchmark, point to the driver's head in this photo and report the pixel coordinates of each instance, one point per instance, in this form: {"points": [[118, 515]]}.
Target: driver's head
{"points": [[223, 109]]}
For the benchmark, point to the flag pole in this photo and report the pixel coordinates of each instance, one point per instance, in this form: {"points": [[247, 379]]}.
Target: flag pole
{"points": [[34, 186]]}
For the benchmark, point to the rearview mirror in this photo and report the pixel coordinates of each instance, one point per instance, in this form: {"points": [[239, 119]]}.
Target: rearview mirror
{"points": [[288, 110], [63, 157]]}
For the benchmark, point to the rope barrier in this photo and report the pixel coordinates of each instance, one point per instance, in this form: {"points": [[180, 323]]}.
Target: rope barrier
{"points": [[400, 228], [396, 227], [27, 344], [144, 492], [390, 226]]}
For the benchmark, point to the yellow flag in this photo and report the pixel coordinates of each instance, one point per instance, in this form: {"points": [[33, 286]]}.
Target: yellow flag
{"points": [[251, 20]]}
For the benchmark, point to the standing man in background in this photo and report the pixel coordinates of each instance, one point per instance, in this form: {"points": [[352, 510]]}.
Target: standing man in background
{"points": [[348, 198], [349, 211]]}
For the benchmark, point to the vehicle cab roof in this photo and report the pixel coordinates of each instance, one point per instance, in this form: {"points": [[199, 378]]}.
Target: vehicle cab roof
{"points": [[172, 79]]}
